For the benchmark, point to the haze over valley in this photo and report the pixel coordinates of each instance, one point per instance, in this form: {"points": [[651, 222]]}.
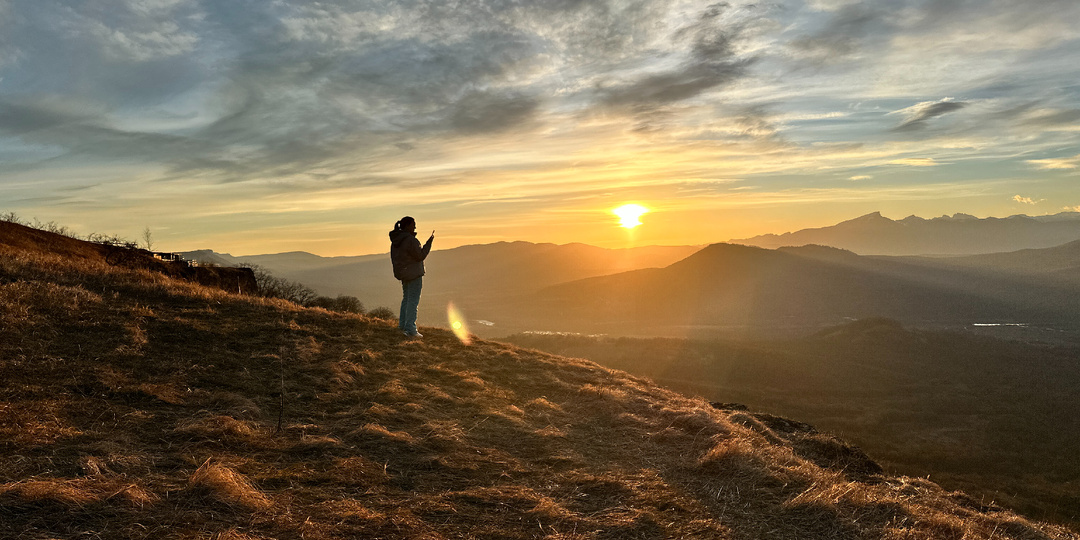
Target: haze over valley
{"points": [[727, 288]]}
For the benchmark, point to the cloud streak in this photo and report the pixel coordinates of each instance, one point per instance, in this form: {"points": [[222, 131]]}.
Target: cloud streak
{"points": [[917, 116]]}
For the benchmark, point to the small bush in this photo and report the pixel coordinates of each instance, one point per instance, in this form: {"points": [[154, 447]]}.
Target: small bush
{"points": [[343, 304], [383, 313]]}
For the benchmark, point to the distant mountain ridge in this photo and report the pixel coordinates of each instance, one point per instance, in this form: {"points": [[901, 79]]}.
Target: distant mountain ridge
{"points": [[465, 275], [730, 286], [510, 287], [959, 234]]}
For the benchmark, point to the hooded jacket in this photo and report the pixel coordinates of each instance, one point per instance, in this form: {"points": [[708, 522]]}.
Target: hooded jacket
{"points": [[407, 255]]}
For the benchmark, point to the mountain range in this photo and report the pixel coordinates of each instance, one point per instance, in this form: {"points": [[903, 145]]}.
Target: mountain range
{"points": [[959, 234], [466, 275], [513, 287], [728, 287]]}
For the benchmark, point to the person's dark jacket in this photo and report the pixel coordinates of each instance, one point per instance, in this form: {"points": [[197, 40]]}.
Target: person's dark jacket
{"points": [[407, 255]]}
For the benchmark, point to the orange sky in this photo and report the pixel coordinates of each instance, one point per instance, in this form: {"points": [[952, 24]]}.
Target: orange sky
{"points": [[313, 126]]}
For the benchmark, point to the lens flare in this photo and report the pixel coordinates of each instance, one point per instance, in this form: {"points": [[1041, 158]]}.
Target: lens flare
{"points": [[629, 215], [457, 324]]}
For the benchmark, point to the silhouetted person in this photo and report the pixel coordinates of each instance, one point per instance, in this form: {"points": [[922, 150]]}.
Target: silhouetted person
{"points": [[408, 258]]}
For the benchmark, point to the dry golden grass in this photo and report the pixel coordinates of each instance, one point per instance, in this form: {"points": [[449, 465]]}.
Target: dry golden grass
{"points": [[143, 407], [75, 492], [228, 486]]}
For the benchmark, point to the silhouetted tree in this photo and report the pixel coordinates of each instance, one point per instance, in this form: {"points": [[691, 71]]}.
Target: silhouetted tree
{"points": [[148, 239]]}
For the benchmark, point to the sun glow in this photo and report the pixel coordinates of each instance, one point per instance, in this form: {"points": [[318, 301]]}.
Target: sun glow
{"points": [[457, 323], [630, 215]]}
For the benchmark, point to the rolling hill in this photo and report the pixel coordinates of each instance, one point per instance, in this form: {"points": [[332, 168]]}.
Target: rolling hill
{"points": [[1059, 264], [727, 287], [135, 405], [506, 288], [467, 275], [959, 234]]}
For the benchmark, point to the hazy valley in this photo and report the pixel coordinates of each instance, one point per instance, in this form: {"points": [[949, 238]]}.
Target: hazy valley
{"points": [[998, 419], [732, 289]]}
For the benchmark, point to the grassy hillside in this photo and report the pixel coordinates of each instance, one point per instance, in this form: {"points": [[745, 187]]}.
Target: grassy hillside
{"points": [[999, 419], [136, 406]]}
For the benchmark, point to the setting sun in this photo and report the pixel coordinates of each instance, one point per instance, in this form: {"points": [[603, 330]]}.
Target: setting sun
{"points": [[630, 214]]}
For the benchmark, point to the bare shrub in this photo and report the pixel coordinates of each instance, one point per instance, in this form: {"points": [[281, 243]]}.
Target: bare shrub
{"points": [[271, 286]]}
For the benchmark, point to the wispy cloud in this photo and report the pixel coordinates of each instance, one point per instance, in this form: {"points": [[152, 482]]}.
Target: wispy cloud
{"points": [[917, 116], [1024, 200], [1066, 163], [915, 162], [844, 35]]}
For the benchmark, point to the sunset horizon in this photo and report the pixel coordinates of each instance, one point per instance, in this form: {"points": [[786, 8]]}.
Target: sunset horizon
{"points": [[314, 126]]}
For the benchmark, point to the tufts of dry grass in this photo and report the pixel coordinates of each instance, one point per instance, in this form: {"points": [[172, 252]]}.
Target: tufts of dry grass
{"points": [[75, 492], [227, 486], [221, 428], [379, 432]]}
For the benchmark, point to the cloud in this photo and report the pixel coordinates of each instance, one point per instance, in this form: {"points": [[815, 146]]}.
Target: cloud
{"points": [[712, 61], [486, 112], [278, 88], [844, 35], [1039, 115], [915, 162], [830, 5], [1023, 200], [861, 177], [917, 115], [1050, 118], [1065, 163]]}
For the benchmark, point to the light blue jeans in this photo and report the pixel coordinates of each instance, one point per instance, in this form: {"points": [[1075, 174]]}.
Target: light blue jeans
{"points": [[410, 301]]}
